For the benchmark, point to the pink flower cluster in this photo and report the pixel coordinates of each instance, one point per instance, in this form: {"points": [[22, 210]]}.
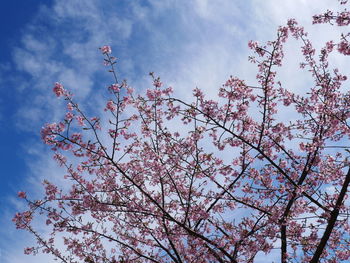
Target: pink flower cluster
{"points": [[340, 19], [110, 106], [22, 194], [106, 49], [50, 131], [115, 87], [59, 90], [344, 47], [22, 220]]}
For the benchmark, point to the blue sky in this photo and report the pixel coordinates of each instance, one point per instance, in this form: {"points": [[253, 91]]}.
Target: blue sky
{"points": [[187, 43], [12, 20]]}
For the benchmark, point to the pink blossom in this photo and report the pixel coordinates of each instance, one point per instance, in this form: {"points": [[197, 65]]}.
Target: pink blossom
{"points": [[22, 220], [60, 159], [49, 132], [22, 194], [70, 106], [157, 83], [110, 106], [80, 120], [106, 49], [59, 90], [129, 90], [51, 190], [69, 116], [344, 48], [114, 87], [29, 250], [253, 44]]}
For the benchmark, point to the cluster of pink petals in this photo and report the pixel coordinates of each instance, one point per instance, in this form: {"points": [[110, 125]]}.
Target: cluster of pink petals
{"points": [[340, 19], [110, 106], [106, 49], [114, 87], [22, 194], [344, 47], [50, 131], [22, 220], [59, 90]]}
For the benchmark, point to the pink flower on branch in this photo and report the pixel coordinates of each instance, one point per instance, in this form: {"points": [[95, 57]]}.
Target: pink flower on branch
{"points": [[22, 220], [29, 250], [110, 106], [344, 48], [106, 50], [115, 87], [59, 90], [50, 132], [22, 195]]}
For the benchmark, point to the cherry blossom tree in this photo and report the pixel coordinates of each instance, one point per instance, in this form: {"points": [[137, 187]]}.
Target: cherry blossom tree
{"points": [[159, 179]]}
